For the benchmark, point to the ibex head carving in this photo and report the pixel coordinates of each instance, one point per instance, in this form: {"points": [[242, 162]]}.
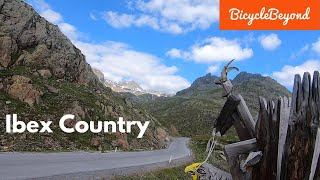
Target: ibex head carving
{"points": [[224, 81]]}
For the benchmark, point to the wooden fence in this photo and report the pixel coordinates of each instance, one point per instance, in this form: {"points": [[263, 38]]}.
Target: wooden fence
{"points": [[284, 142]]}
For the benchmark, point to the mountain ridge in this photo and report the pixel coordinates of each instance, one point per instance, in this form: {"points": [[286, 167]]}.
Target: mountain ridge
{"points": [[194, 111], [203, 82]]}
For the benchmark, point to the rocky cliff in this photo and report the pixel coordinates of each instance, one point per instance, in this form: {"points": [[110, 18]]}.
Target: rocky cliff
{"points": [[28, 39], [43, 76]]}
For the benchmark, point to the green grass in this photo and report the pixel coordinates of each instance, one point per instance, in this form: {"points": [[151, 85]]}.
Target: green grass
{"points": [[198, 145], [175, 173]]}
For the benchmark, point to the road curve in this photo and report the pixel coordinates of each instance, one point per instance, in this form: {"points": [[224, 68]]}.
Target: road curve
{"points": [[37, 165]]}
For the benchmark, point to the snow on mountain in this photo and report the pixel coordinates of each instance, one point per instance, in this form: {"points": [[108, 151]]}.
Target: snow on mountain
{"points": [[127, 86]]}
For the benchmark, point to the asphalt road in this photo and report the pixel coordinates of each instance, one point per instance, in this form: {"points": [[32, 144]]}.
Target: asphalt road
{"points": [[37, 165]]}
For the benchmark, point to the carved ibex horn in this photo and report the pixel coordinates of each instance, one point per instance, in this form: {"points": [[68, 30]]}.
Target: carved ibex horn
{"points": [[226, 70], [232, 68]]}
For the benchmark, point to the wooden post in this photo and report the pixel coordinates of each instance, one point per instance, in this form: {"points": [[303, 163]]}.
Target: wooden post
{"points": [[235, 112], [302, 130], [246, 118], [225, 120], [283, 128], [267, 127], [315, 158], [233, 151]]}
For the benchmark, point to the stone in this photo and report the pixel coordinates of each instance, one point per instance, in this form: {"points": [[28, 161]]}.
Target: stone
{"points": [[96, 141], [20, 79], [122, 140], [161, 134], [23, 90], [8, 102], [5, 148], [7, 48], [52, 89], [45, 73], [77, 111], [35, 74], [20, 60], [59, 72]]}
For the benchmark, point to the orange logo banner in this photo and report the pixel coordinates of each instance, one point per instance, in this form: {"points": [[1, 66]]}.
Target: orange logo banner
{"points": [[269, 14]]}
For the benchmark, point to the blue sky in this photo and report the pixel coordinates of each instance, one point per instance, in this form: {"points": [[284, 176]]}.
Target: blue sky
{"points": [[166, 45]]}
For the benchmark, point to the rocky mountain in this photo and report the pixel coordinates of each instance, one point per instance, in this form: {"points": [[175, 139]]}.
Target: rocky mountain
{"points": [[131, 85], [127, 86], [193, 111], [99, 74], [244, 76], [201, 83], [44, 76]]}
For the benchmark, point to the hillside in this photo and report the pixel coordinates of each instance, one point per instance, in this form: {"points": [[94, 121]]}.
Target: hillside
{"points": [[43, 76], [192, 111]]}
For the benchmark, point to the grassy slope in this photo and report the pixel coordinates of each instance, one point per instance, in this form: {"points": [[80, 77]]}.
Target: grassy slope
{"points": [[54, 105], [195, 113]]}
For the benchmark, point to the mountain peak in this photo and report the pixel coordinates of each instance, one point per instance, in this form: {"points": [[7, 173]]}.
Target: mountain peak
{"points": [[245, 76], [204, 82], [208, 74], [208, 79], [131, 85]]}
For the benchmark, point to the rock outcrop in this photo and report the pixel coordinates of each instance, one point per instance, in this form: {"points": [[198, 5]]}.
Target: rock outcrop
{"points": [[22, 89], [99, 74], [28, 39]]}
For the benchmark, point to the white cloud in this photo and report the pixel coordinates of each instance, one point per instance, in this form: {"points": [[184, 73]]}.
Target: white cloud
{"points": [[174, 53], [93, 16], [118, 61], [213, 50], [52, 16], [145, 20], [174, 16], [316, 46], [286, 75], [69, 30], [270, 42], [119, 20], [300, 52], [56, 18], [213, 69]]}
